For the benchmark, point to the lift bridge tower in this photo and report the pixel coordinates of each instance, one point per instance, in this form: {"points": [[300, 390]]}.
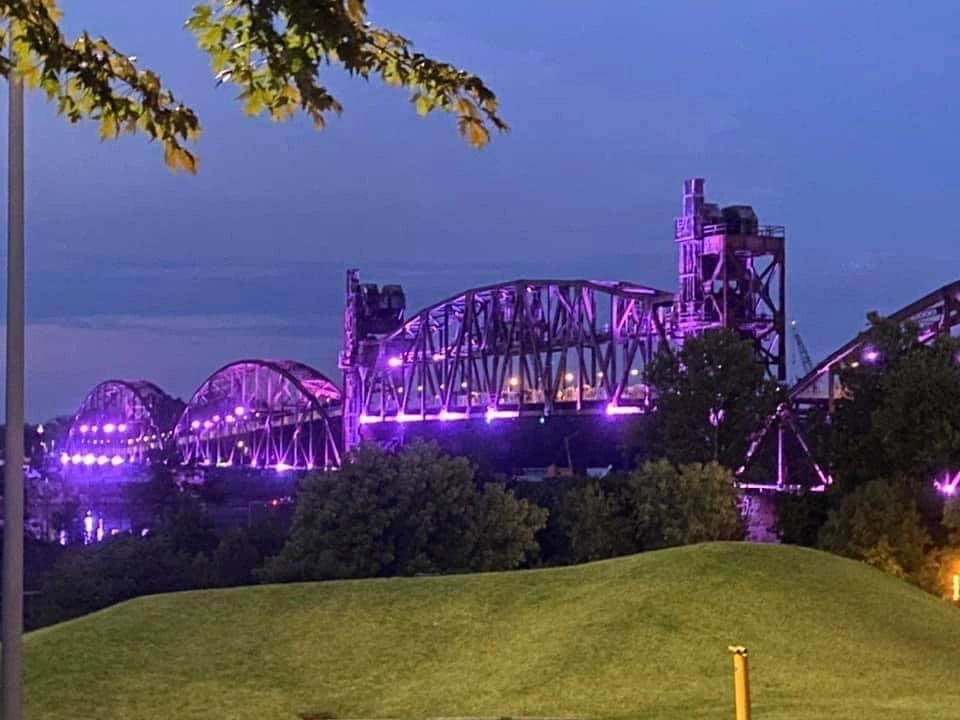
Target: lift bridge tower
{"points": [[732, 273]]}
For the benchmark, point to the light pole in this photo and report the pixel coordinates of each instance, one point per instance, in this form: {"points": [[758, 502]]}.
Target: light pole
{"points": [[11, 621]]}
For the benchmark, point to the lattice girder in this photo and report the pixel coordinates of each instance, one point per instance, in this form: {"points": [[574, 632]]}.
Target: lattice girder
{"points": [[262, 414], [936, 313], [521, 347], [120, 421]]}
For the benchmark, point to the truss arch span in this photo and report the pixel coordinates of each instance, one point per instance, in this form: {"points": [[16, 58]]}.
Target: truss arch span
{"points": [[936, 313], [524, 347], [120, 421], [262, 414]]}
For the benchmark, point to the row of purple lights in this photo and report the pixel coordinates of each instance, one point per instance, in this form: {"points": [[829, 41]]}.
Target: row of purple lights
{"points": [[91, 459], [279, 467], [490, 415], [109, 428], [238, 412]]}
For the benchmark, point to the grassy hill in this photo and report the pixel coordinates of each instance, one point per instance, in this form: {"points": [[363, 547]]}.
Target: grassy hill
{"points": [[644, 636]]}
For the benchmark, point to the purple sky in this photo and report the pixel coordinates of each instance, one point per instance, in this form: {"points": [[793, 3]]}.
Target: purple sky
{"points": [[838, 120]]}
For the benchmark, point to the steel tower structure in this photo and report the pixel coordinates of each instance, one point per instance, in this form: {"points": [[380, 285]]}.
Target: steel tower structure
{"points": [[371, 314], [732, 273]]}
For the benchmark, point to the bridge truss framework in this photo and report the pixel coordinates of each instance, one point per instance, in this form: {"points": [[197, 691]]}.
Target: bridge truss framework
{"points": [[525, 347], [276, 414]]}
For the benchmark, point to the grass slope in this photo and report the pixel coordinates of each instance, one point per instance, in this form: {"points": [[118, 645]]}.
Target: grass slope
{"points": [[644, 636]]}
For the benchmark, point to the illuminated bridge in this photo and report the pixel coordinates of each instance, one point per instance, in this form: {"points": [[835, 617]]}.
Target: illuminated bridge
{"points": [[554, 353], [935, 314], [276, 414], [526, 347], [120, 421]]}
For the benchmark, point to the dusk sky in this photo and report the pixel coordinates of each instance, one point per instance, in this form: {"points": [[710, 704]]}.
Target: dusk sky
{"points": [[839, 120]]}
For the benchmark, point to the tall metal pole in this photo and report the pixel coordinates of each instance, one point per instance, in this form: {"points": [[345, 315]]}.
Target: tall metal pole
{"points": [[11, 632]]}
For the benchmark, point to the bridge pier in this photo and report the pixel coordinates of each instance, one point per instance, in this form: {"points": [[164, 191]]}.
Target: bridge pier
{"points": [[760, 513]]}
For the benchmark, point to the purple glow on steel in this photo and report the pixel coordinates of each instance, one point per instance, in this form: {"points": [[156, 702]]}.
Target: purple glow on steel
{"points": [[109, 428], [84, 429], [623, 410], [122, 427], [870, 354], [494, 414], [407, 417], [195, 425], [89, 459], [77, 459], [64, 459], [93, 428], [446, 415], [948, 485], [370, 419], [207, 424], [239, 411], [281, 467], [395, 361], [437, 357], [117, 460], [216, 418], [230, 419]]}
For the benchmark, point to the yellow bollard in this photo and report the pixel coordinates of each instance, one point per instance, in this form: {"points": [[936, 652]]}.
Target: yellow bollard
{"points": [[741, 681]]}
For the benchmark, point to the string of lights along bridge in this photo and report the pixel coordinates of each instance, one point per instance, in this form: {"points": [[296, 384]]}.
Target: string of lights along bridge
{"points": [[505, 354]]}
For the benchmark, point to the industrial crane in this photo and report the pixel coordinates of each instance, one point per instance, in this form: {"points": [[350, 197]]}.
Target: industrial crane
{"points": [[801, 349]]}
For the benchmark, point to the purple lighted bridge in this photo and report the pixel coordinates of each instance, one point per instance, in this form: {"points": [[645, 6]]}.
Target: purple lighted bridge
{"points": [[119, 422], [276, 414], [935, 314], [526, 347], [494, 354]]}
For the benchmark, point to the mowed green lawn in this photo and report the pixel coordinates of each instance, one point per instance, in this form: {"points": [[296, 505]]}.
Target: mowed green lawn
{"points": [[641, 637]]}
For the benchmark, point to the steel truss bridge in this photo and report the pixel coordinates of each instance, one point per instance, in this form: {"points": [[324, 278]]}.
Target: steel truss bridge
{"points": [[522, 348], [495, 354], [539, 347]]}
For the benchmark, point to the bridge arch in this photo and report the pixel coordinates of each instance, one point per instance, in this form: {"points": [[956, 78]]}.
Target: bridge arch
{"points": [[262, 414], [120, 421], [936, 313], [523, 347]]}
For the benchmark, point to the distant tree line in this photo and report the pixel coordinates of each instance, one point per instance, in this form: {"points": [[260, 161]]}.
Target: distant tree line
{"points": [[411, 512]]}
